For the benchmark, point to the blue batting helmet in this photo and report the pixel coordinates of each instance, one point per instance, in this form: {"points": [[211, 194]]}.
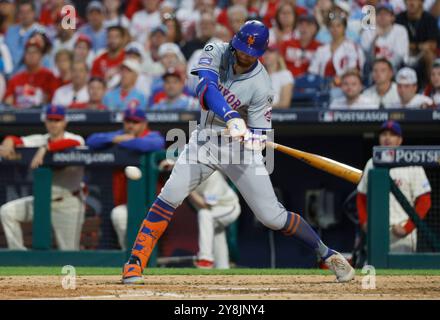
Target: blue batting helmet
{"points": [[252, 38]]}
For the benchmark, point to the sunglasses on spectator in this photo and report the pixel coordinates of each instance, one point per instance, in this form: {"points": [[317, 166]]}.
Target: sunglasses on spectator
{"points": [[168, 16]]}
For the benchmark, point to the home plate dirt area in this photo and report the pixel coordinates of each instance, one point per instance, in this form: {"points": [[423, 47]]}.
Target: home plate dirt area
{"points": [[213, 287]]}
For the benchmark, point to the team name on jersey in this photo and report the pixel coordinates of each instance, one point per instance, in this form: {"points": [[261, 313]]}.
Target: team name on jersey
{"points": [[230, 97]]}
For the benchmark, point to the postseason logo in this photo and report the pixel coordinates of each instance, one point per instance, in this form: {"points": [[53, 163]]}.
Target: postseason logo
{"points": [[407, 156], [353, 116]]}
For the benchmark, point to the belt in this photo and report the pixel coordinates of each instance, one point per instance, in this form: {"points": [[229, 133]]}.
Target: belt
{"points": [[75, 193]]}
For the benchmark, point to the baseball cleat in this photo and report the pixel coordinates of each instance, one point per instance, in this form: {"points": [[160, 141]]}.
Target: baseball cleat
{"points": [[204, 264], [132, 274], [340, 267]]}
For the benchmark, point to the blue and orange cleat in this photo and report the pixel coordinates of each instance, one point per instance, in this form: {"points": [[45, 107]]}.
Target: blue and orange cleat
{"points": [[132, 274]]}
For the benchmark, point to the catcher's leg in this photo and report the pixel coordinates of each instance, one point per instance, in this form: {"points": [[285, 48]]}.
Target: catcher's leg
{"points": [[184, 178]]}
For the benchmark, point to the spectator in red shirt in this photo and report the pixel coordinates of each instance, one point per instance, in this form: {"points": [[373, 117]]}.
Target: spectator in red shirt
{"points": [[96, 89], [63, 64], [34, 86], [298, 53], [107, 64]]}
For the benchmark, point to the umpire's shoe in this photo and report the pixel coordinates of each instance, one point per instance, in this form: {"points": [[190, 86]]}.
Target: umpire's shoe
{"points": [[340, 267], [132, 273]]}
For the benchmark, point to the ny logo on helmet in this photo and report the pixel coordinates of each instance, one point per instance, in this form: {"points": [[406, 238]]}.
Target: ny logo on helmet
{"points": [[250, 40]]}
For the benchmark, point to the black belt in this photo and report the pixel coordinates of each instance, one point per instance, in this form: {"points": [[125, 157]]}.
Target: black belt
{"points": [[76, 193]]}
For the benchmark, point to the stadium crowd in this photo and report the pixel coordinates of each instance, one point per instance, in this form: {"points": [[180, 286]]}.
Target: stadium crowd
{"points": [[326, 53]]}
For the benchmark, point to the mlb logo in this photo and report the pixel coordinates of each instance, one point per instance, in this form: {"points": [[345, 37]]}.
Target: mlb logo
{"points": [[328, 116], [387, 156]]}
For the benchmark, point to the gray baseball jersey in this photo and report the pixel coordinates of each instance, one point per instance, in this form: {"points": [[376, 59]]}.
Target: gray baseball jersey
{"points": [[250, 94]]}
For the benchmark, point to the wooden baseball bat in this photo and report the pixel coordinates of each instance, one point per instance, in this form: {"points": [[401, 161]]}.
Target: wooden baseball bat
{"points": [[331, 166]]}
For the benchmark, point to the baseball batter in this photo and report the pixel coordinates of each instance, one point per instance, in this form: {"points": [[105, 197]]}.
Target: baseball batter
{"points": [[218, 206], [67, 207], [413, 183], [235, 94]]}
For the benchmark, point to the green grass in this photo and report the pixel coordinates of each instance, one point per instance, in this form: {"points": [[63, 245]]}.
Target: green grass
{"points": [[85, 271]]}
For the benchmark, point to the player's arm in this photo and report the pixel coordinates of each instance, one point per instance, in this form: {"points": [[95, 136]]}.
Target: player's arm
{"points": [[102, 140], [7, 149], [210, 98], [422, 206], [154, 141], [361, 197]]}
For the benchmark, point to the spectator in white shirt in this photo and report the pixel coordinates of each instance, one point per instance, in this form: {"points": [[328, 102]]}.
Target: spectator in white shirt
{"points": [[432, 90], [384, 91], [281, 78], [352, 94], [145, 20], [74, 95], [389, 40], [406, 80]]}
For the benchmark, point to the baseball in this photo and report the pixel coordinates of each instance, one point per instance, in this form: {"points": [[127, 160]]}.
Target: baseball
{"points": [[133, 173]]}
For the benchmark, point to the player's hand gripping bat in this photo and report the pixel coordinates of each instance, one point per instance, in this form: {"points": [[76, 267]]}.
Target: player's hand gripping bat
{"points": [[331, 166]]}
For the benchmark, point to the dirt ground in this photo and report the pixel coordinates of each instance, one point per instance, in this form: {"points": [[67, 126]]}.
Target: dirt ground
{"points": [[220, 287]]}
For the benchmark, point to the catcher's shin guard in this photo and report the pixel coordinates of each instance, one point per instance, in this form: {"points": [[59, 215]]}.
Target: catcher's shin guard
{"points": [[152, 228]]}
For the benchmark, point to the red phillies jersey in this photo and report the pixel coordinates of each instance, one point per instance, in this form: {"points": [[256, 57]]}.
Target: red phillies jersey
{"points": [[297, 58], [32, 89], [105, 66]]}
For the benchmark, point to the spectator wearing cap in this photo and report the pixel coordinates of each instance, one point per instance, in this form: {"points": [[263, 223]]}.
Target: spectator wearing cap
{"points": [[175, 99], [388, 40], [63, 67], [35, 85], [96, 89], [136, 136], [82, 51], [145, 20], [74, 95], [334, 59], [299, 52], [423, 34], [107, 64], [94, 28], [67, 204], [205, 30], [135, 51], [406, 80], [412, 182], [281, 79], [432, 90], [113, 15], [126, 95], [17, 35], [352, 98], [384, 90], [7, 13]]}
